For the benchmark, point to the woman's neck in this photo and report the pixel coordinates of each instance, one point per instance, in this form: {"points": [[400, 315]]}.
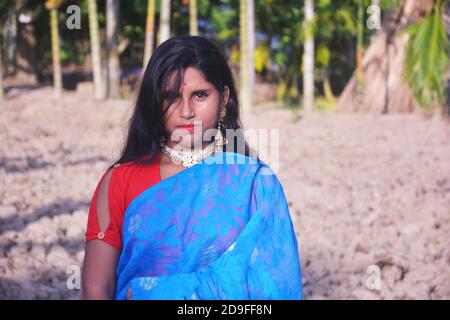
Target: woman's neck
{"points": [[178, 147]]}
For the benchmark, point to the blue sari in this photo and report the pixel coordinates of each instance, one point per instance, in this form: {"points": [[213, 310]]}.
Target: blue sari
{"points": [[220, 229]]}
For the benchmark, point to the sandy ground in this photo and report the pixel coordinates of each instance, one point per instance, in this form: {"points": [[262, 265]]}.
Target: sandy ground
{"points": [[369, 195]]}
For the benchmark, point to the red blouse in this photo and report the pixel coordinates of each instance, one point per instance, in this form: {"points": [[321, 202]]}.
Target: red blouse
{"points": [[127, 181]]}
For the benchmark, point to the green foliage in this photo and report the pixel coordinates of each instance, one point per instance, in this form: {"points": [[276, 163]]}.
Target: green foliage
{"points": [[427, 58], [281, 32], [324, 105], [389, 4], [221, 19], [323, 55], [334, 28], [262, 56]]}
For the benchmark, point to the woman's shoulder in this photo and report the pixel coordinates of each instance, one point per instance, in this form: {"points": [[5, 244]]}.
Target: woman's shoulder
{"points": [[120, 176], [235, 158], [250, 168], [130, 178], [263, 172], [250, 161], [129, 168]]}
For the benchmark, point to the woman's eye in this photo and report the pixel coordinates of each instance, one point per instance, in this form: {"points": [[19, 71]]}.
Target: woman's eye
{"points": [[201, 95]]}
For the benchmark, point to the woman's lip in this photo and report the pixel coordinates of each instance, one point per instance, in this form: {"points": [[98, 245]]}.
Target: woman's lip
{"points": [[187, 126]]}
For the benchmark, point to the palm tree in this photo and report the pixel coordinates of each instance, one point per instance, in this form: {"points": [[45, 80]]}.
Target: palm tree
{"points": [[193, 25], [10, 42], [95, 49], [427, 60], [53, 6], [149, 32], [112, 42], [245, 89], [5, 10], [413, 45], [359, 51], [164, 21], [251, 43], [1, 77], [308, 58]]}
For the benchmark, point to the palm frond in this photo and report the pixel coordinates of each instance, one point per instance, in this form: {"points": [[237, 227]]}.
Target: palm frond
{"points": [[427, 58]]}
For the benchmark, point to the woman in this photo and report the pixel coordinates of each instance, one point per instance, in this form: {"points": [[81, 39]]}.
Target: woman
{"points": [[187, 212]]}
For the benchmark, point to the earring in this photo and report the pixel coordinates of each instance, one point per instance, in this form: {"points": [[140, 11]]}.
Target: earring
{"points": [[222, 115], [162, 141], [219, 139]]}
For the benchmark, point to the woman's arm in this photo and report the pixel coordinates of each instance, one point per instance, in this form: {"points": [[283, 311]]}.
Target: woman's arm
{"points": [[99, 270], [102, 248]]}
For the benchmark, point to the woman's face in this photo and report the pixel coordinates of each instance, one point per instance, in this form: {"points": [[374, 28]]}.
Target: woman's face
{"points": [[194, 110]]}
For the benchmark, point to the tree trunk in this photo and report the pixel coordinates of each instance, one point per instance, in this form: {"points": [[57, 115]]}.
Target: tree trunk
{"points": [[57, 77], [360, 52], [327, 90], [193, 25], [10, 45], [149, 32], [1, 78], [383, 89], [245, 93], [251, 45], [95, 50], [164, 21], [308, 59], [26, 47], [112, 43]]}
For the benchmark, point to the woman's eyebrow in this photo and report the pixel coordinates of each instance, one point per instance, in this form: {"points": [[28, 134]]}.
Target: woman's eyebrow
{"points": [[201, 90], [173, 93]]}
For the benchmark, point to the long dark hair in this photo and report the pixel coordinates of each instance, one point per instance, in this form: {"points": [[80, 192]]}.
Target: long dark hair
{"points": [[146, 127]]}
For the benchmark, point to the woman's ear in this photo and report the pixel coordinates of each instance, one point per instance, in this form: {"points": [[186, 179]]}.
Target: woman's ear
{"points": [[226, 95]]}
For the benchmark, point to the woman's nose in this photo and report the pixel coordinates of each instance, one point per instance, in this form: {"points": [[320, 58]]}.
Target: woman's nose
{"points": [[186, 109]]}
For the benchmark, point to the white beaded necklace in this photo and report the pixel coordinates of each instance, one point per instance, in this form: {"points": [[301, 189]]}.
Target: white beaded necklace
{"points": [[189, 158]]}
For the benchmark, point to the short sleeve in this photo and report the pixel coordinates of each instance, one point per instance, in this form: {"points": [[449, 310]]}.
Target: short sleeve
{"points": [[106, 210]]}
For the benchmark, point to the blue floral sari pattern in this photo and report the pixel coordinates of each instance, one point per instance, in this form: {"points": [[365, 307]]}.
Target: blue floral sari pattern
{"points": [[220, 229]]}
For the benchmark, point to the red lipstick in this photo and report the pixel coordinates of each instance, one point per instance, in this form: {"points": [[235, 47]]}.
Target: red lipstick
{"points": [[188, 127]]}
